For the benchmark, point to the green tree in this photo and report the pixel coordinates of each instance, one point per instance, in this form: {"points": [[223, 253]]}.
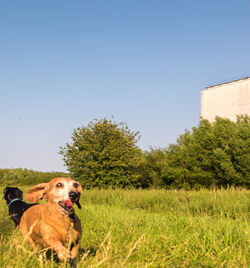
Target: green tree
{"points": [[156, 161], [104, 154], [212, 154]]}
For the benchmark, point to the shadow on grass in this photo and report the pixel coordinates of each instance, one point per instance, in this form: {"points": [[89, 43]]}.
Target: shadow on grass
{"points": [[91, 251], [50, 255]]}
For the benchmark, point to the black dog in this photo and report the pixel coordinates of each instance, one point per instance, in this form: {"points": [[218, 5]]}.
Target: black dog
{"points": [[14, 197]]}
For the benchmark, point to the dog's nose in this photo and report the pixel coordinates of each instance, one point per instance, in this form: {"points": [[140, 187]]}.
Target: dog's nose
{"points": [[73, 196]]}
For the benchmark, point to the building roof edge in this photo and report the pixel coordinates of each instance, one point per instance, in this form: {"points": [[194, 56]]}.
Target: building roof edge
{"points": [[219, 84]]}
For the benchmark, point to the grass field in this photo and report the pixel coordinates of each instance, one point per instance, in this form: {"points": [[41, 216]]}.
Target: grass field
{"points": [[151, 228]]}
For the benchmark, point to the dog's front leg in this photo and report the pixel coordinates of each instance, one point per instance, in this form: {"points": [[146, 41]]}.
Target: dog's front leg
{"points": [[58, 247], [74, 251]]}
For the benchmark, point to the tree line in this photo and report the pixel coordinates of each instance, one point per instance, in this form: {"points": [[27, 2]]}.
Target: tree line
{"points": [[211, 155], [20, 176], [105, 154]]}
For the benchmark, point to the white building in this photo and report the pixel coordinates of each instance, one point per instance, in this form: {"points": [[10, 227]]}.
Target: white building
{"points": [[226, 100]]}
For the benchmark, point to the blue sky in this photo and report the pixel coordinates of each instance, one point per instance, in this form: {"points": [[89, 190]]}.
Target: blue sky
{"points": [[65, 63]]}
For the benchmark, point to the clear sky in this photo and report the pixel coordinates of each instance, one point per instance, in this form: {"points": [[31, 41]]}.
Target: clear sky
{"points": [[64, 63]]}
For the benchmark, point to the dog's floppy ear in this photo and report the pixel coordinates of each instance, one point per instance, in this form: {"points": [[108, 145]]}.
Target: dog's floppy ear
{"points": [[79, 190], [5, 191], [36, 192]]}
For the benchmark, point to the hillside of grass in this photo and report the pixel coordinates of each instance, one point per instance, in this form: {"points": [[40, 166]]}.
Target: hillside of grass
{"points": [[148, 228]]}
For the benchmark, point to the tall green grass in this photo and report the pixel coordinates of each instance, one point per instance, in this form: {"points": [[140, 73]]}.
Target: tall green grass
{"points": [[149, 228]]}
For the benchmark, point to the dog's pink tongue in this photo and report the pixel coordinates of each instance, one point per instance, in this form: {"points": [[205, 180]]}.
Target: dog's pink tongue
{"points": [[68, 203]]}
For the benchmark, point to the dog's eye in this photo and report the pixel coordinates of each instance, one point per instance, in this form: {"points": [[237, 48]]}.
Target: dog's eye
{"points": [[59, 185], [75, 185]]}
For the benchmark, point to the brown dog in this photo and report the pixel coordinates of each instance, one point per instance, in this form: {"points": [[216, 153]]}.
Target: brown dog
{"points": [[54, 225]]}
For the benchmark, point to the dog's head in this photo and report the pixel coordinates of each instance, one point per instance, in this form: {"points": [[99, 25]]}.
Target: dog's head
{"points": [[11, 193], [65, 192]]}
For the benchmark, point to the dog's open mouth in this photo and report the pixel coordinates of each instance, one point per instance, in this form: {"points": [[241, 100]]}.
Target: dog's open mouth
{"points": [[67, 206]]}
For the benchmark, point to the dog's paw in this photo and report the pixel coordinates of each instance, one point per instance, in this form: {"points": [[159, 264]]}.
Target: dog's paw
{"points": [[63, 254]]}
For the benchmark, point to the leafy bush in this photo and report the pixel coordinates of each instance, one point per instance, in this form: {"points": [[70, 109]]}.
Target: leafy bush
{"points": [[212, 154], [104, 154]]}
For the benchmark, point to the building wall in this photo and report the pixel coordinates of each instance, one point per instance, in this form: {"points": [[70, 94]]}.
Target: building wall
{"points": [[226, 100]]}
